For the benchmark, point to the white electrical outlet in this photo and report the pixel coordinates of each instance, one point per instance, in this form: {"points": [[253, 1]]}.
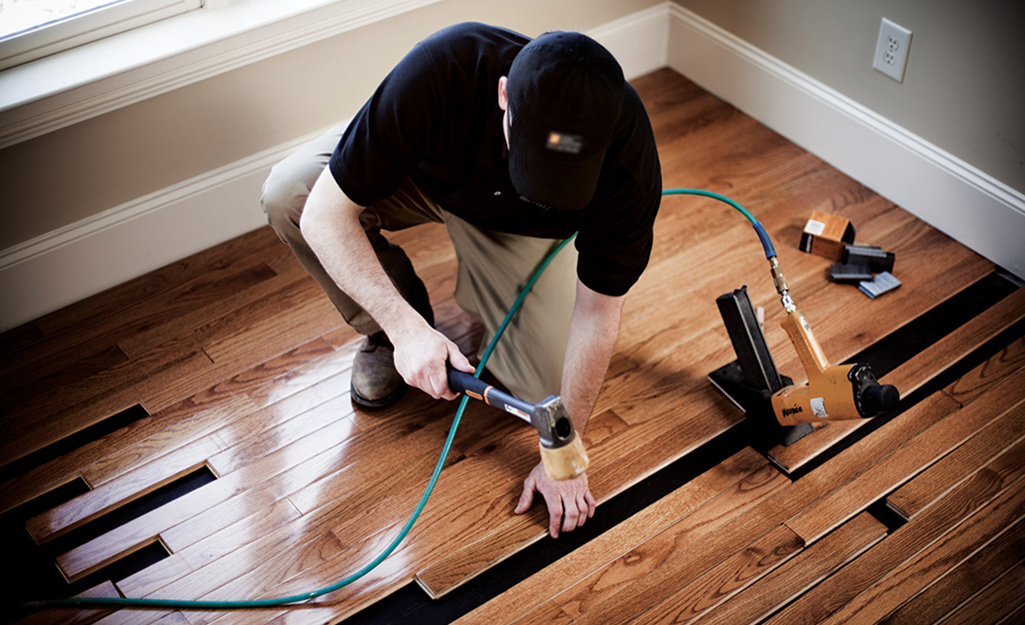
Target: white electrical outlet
{"points": [[892, 50]]}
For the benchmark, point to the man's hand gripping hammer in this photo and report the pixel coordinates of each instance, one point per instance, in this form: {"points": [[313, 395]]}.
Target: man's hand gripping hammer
{"points": [[562, 451]]}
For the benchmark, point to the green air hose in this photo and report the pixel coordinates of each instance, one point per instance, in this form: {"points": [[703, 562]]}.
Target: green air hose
{"points": [[181, 604]]}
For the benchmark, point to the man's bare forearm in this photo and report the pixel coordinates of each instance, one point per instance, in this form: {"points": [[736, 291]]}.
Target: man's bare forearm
{"points": [[592, 337], [330, 224]]}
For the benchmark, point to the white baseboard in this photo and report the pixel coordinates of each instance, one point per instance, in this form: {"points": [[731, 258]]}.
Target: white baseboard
{"points": [[127, 241], [84, 258], [932, 184]]}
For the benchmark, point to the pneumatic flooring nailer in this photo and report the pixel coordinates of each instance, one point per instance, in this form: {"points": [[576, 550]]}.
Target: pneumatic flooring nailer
{"points": [[787, 411]]}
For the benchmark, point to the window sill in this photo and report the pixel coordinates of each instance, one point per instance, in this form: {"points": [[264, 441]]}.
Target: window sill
{"points": [[69, 87]]}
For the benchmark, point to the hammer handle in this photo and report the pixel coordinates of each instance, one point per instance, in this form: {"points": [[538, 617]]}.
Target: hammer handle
{"points": [[475, 388]]}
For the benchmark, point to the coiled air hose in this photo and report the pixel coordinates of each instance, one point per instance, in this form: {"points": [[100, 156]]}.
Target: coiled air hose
{"points": [[182, 604]]}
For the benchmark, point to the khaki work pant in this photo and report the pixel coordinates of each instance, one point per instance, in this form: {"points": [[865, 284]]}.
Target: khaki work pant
{"points": [[492, 268]]}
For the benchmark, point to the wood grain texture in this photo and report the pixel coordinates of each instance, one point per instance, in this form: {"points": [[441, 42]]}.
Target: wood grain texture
{"points": [[803, 572], [963, 581], [243, 367]]}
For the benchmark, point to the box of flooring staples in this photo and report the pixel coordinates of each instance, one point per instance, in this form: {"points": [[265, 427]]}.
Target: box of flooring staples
{"points": [[826, 235]]}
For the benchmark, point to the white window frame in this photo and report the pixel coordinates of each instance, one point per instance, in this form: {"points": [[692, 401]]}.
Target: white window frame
{"points": [[81, 28]]}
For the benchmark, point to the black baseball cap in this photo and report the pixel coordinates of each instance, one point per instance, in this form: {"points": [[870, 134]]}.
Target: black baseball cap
{"points": [[565, 95]]}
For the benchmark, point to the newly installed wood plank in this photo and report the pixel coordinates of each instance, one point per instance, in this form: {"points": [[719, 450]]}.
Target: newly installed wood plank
{"points": [[608, 593], [925, 365], [615, 458], [653, 519], [968, 578], [1001, 602], [765, 516], [804, 571], [726, 579], [101, 320], [911, 375], [1006, 435], [955, 546], [918, 454], [982, 498], [978, 381], [129, 487], [105, 590]]}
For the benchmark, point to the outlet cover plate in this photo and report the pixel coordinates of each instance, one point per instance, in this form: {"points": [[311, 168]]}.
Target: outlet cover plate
{"points": [[892, 46]]}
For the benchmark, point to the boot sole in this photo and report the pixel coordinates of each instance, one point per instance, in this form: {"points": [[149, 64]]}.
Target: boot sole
{"points": [[383, 402]]}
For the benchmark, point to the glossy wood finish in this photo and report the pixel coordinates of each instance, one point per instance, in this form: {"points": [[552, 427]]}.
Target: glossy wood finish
{"points": [[243, 367]]}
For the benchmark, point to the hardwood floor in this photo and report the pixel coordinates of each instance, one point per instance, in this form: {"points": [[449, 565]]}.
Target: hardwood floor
{"points": [[190, 434]]}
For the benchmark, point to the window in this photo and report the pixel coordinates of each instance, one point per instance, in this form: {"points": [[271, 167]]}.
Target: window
{"points": [[32, 29]]}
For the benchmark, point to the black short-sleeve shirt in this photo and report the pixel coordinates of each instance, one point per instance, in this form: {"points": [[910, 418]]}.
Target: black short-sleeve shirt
{"points": [[435, 118]]}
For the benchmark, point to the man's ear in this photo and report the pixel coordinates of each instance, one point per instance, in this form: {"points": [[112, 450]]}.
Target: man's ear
{"points": [[503, 97]]}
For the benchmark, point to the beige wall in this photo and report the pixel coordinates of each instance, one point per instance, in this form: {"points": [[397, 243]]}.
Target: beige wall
{"points": [[81, 170], [964, 89]]}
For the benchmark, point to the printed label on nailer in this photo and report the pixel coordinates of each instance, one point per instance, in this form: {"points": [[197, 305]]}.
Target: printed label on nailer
{"points": [[819, 408]]}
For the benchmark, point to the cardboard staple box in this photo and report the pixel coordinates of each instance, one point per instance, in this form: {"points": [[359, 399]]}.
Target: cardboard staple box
{"points": [[826, 235]]}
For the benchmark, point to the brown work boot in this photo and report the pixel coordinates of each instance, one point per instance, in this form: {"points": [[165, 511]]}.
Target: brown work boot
{"points": [[375, 382]]}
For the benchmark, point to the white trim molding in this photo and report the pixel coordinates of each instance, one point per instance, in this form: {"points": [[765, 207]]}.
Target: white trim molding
{"points": [[127, 241], [951, 195]]}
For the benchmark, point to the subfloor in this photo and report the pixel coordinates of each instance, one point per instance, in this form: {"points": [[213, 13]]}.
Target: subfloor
{"points": [[190, 435]]}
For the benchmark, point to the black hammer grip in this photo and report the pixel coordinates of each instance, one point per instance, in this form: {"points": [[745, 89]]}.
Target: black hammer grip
{"points": [[465, 383]]}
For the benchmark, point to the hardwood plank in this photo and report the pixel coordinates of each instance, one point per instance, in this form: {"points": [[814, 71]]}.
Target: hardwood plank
{"points": [[803, 572], [84, 405], [928, 565], [978, 381], [125, 489], [1001, 602], [609, 592], [912, 374], [1005, 436], [984, 492], [964, 581], [101, 320], [774, 510], [911, 459], [620, 466], [924, 366], [103, 458], [143, 530], [105, 590], [601, 549], [726, 579]]}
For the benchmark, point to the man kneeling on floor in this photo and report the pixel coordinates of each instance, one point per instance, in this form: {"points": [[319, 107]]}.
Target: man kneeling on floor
{"points": [[513, 144]]}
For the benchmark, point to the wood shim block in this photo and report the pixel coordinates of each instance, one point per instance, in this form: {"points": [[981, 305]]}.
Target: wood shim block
{"points": [[808, 568]]}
